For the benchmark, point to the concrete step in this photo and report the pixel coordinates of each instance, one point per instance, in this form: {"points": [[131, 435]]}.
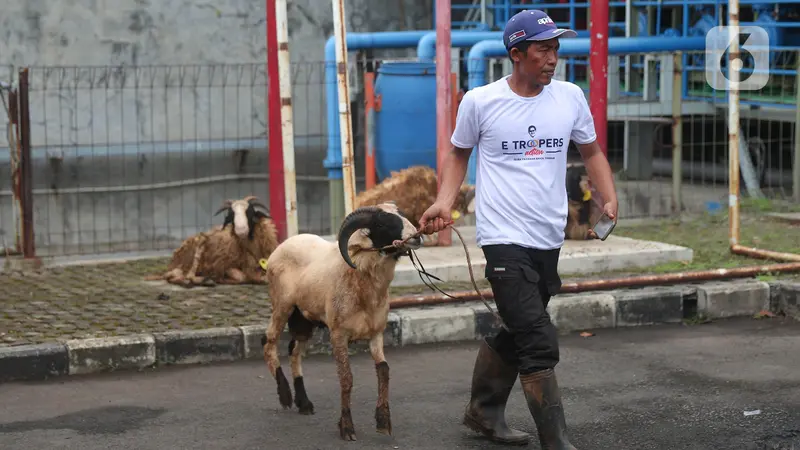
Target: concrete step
{"points": [[577, 257]]}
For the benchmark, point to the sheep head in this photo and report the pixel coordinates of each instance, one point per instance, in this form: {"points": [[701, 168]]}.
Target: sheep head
{"points": [[578, 191], [379, 226], [243, 215], [577, 188]]}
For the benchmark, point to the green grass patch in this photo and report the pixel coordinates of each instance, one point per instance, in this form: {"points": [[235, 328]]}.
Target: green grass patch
{"points": [[708, 236]]}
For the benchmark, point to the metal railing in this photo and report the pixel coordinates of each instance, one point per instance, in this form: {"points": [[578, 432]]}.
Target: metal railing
{"points": [[139, 158]]}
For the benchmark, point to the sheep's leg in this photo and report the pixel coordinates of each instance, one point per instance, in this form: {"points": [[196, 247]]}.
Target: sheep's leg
{"points": [[174, 276], [302, 330], [339, 343], [383, 419], [270, 342], [235, 276], [191, 275]]}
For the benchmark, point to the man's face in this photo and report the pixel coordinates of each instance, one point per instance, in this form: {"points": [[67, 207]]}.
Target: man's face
{"points": [[538, 63]]}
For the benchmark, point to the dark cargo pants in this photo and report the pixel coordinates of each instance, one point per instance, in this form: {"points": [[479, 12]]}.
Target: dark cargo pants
{"points": [[523, 280]]}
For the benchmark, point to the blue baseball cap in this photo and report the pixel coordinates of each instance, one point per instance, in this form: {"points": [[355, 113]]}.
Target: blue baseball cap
{"points": [[532, 25]]}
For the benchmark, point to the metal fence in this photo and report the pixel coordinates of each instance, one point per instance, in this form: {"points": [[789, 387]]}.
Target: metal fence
{"points": [[668, 131], [139, 158]]}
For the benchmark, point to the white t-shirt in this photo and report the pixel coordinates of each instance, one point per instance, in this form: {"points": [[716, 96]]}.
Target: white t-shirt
{"points": [[522, 142]]}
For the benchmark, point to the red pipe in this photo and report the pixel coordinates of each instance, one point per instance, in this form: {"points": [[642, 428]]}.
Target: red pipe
{"points": [[443, 98], [598, 70], [277, 189]]}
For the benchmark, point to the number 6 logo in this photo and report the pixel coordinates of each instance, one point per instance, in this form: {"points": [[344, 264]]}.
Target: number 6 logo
{"points": [[752, 61]]}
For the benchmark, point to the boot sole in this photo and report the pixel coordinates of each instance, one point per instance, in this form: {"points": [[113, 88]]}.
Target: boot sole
{"points": [[478, 428]]}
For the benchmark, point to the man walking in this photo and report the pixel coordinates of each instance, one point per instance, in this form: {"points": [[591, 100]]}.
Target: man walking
{"points": [[522, 125]]}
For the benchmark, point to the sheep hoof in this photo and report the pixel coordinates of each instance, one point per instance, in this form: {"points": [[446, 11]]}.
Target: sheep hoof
{"points": [[346, 428], [301, 400], [383, 420], [284, 393], [306, 408]]}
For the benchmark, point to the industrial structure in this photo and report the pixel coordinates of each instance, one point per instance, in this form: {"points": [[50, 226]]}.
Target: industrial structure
{"points": [[107, 154], [656, 83]]}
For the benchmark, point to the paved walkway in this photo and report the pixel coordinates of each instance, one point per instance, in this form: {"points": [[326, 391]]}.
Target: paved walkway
{"points": [[650, 388], [70, 301]]}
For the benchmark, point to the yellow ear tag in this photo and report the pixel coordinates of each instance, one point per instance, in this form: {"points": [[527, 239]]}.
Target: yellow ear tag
{"points": [[455, 215], [587, 195], [263, 263]]}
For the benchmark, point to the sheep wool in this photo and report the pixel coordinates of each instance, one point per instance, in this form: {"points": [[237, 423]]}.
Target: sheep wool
{"points": [[343, 286], [413, 190], [227, 254]]}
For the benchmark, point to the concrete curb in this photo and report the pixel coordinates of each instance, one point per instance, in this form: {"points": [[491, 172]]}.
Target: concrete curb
{"points": [[409, 326]]}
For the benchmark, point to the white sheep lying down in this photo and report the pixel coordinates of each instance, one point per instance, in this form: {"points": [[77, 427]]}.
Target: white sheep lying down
{"points": [[343, 286]]}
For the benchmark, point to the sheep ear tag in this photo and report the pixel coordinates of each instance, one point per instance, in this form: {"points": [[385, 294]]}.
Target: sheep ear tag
{"points": [[263, 263], [455, 215], [587, 195]]}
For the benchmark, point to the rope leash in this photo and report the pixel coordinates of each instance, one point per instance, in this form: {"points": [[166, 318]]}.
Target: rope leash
{"points": [[421, 269]]}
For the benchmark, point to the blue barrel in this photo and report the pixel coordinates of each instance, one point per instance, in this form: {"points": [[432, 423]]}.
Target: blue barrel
{"points": [[405, 126]]}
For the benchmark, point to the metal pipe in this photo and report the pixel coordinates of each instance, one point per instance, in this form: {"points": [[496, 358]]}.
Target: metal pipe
{"points": [[345, 123], [26, 166], [443, 98], [677, 133], [598, 70], [287, 120], [277, 187], [406, 301], [369, 122], [426, 48], [764, 254], [733, 121], [14, 157], [477, 58], [333, 159]]}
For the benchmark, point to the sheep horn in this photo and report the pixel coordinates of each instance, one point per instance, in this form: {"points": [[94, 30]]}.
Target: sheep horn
{"points": [[256, 203], [225, 206], [356, 220]]}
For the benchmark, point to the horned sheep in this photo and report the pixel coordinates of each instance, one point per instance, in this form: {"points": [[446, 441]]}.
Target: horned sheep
{"points": [[414, 190], [229, 254], [343, 286], [581, 208]]}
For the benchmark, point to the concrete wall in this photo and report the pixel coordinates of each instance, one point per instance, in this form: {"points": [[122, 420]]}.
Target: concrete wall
{"points": [[127, 95]]}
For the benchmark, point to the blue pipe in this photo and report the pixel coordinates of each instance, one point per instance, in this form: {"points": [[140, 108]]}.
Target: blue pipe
{"points": [[355, 41], [480, 52], [426, 49]]}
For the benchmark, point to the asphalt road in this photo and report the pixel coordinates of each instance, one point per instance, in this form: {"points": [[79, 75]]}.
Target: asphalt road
{"points": [[665, 387]]}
